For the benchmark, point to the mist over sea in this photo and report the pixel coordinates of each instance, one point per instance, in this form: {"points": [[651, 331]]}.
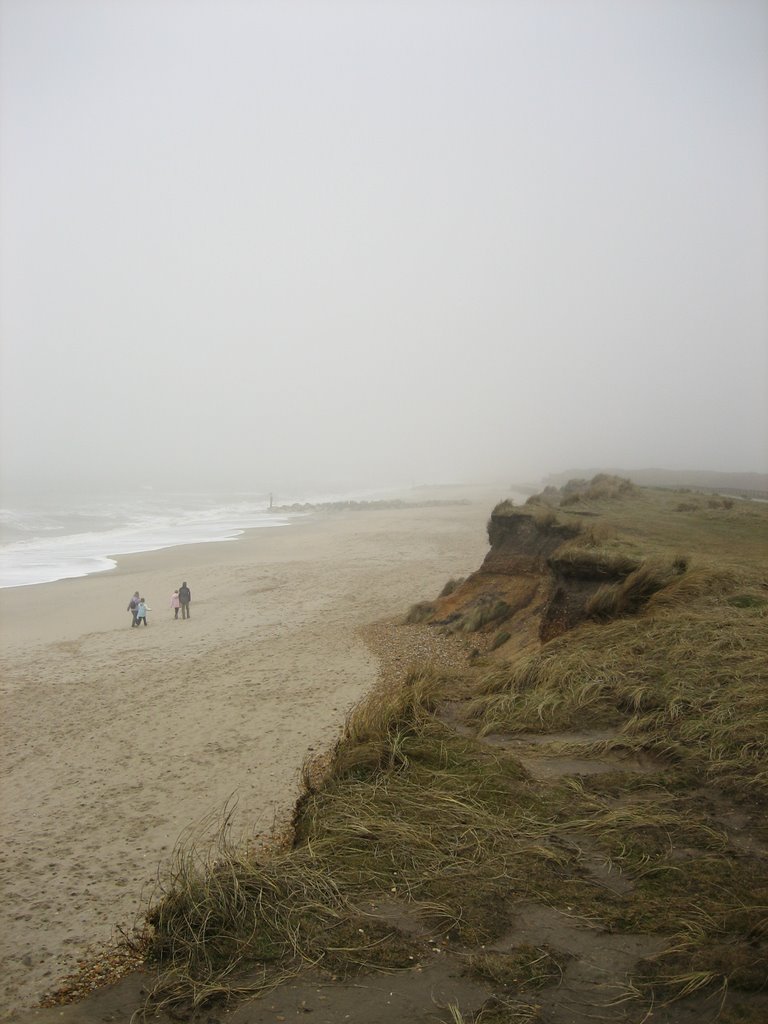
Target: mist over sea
{"points": [[42, 541]]}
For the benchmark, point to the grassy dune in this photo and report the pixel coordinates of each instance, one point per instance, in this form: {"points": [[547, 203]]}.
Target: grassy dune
{"points": [[613, 777]]}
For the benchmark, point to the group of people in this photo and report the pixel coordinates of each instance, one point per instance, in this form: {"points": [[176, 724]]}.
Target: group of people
{"points": [[180, 601], [138, 608]]}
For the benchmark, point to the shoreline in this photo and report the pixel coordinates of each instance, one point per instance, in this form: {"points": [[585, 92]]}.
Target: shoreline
{"points": [[99, 556], [49, 557], [118, 740]]}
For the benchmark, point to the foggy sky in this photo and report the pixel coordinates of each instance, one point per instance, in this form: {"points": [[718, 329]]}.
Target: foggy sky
{"points": [[257, 243]]}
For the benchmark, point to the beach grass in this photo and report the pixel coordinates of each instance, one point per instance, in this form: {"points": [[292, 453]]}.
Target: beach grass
{"points": [[663, 687]]}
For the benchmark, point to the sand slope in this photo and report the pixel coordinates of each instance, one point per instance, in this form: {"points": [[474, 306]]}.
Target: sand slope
{"points": [[115, 740]]}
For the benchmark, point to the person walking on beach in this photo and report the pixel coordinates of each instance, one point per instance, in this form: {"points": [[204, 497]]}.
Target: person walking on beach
{"points": [[141, 612], [185, 599], [175, 603], [133, 605]]}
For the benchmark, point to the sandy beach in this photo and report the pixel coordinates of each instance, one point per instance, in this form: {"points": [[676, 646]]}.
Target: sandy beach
{"points": [[117, 740]]}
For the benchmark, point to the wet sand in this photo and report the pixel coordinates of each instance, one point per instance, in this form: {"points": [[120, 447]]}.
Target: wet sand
{"points": [[116, 740]]}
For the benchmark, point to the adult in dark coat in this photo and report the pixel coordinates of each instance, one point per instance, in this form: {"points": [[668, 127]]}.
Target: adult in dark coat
{"points": [[185, 599], [133, 607]]}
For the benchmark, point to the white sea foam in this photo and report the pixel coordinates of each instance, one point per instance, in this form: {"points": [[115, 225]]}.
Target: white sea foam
{"points": [[43, 544]]}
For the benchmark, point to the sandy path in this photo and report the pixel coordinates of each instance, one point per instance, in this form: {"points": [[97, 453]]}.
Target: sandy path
{"points": [[115, 740]]}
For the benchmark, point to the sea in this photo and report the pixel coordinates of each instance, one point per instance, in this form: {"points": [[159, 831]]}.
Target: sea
{"points": [[41, 541]]}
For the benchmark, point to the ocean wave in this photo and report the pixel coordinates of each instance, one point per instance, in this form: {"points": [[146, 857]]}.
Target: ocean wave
{"points": [[43, 547], [42, 543]]}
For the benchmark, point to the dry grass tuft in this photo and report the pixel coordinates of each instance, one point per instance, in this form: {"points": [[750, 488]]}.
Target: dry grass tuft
{"points": [[602, 487], [488, 610], [375, 729], [628, 596], [709, 955], [420, 612], [522, 968], [500, 639], [703, 583], [224, 913], [451, 586], [506, 1010], [592, 562]]}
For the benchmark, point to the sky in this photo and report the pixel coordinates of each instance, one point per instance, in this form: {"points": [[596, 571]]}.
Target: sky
{"points": [[259, 243]]}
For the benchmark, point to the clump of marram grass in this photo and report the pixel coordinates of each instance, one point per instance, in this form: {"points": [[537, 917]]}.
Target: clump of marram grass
{"points": [[575, 484], [593, 562], [549, 498], [373, 734], [606, 485], [497, 1009], [420, 612], [523, 967], [601, 487], [719, 950], [488, 610], [222, 910], [545, 518], [628, 596], [237, 925], [639, 833], [506, 507], [451, 586], [702, 584], [500, 639]]}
